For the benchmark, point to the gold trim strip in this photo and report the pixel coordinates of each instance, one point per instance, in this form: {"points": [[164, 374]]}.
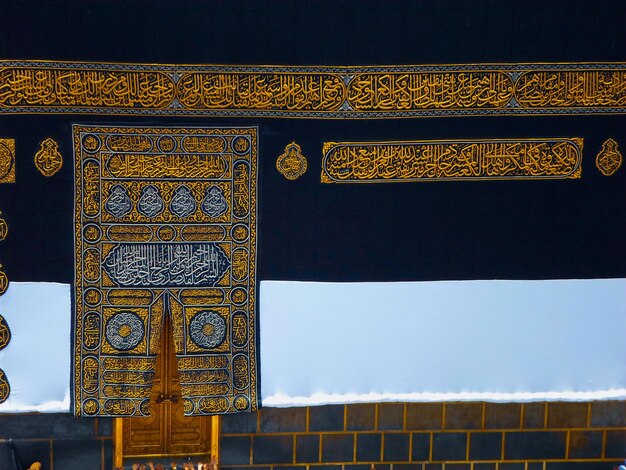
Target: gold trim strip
{"points": [[440, 160], [119, 441], [320, 92], [215, 440]]}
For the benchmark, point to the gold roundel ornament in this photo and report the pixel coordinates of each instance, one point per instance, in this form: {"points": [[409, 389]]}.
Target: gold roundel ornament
{"points": [[5, 333], [609, 159], [4, 281], [4, 228], [48, 159], [5, 388], [291, 163]]}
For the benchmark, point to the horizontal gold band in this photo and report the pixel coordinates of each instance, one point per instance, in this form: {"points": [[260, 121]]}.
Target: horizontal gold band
{"points": [[326, 92]]}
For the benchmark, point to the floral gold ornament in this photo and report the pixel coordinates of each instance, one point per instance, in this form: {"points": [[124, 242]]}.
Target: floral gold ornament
{"points": [[4, 227], [609, 159], [291, 163], [7, 160], [48, 159], [4, 281], [5, 388], [5, 333]]}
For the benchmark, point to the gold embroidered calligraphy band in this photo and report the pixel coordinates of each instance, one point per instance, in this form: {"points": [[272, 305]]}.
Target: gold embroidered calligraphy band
{"points": [[326, 92], [376, 162]]}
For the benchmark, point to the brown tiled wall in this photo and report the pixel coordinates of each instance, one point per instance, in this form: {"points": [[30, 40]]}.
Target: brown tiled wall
{"points": [[58, 440], [393, 436], [428, 436]]}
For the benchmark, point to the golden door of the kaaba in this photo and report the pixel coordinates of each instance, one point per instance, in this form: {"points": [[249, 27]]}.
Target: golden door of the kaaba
{"points": [[166, 432]]}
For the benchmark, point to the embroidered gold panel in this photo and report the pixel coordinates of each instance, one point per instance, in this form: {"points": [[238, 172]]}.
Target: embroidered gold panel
{"points": [[376, 162], [165, 224], [331, 92], [7, 160]]}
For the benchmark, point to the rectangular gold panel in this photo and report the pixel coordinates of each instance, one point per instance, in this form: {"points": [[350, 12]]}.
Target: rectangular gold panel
{"points": [[165, 226], [377, 162]]}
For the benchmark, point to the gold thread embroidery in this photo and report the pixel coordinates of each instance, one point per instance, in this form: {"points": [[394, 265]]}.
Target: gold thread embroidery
{"points": [[291, 163], [327, 92], [571, 89], [429, 90], [267, 91], [7, 160], [48, 159], [4, 281], [49, 86], [4, 227], [165, 223], [5, 387], [5, 333], [609, 159], [187, 165], [345, 162]]}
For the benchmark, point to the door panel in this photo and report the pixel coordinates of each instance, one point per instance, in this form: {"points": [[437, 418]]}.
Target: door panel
{"points": [[166, 432]]}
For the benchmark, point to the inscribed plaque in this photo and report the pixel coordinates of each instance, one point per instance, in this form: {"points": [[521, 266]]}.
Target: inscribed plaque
{"points": [[376, 162]]}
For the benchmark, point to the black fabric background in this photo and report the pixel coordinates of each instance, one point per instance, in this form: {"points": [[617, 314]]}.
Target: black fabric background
{"points": [[313, 231]]}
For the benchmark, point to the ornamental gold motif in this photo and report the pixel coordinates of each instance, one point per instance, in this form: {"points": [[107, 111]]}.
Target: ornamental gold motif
{"points": [[376, 162], [5, 333], [4, 281], [609, 159], [319, 92], [7, 160], [291, 163], [5, 387], [4, 227], [48, 159]]}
